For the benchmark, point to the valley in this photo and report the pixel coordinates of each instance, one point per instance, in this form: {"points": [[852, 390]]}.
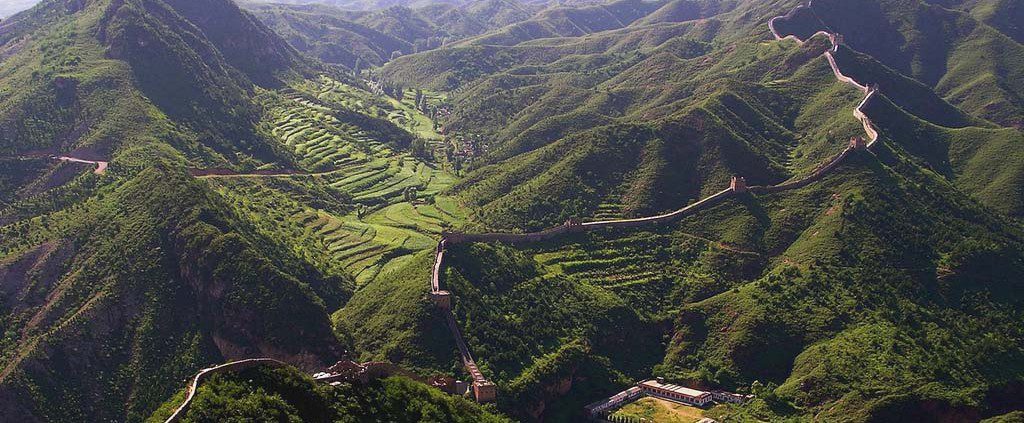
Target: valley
{"points": [[505, 210], [396, 202], [482, 387]]}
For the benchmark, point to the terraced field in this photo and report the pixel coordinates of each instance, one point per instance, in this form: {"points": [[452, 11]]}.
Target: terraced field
{"points": [[624, 263], [346, 239], [402, 113], [317, 137], [365, 208], [611, 208]]}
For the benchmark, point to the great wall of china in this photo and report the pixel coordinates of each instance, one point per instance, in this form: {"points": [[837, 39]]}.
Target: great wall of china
{"points": [[101, 166], [233, 366], [738, 185], [483, 389]]}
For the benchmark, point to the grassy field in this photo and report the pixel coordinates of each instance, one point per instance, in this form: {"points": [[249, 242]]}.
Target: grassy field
{"points": [[660, 411]]}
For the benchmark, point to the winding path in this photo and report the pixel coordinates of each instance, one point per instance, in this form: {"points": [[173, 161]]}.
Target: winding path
{"points": [[226, 367], [101, 166], [443, 298]]}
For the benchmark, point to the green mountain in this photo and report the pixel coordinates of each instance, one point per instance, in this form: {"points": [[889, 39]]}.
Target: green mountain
{"points": [[738, 110], [565, 21], [805, 292], [328, 34], [90, 79], [969, 63], [361, 39], [536, 93], [117, 286], [185, 183], [111, 302], [133, 264]]}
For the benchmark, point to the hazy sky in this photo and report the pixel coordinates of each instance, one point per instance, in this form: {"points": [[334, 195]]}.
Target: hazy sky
{"points": [[10, 7]]}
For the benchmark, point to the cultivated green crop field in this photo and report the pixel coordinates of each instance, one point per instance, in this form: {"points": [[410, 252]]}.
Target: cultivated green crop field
{"points": [[400, 112], [365, 208]]}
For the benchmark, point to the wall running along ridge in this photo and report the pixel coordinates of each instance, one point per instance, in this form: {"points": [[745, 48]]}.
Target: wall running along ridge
{"points": [[443, 298], [101, 167], [484, 390], [233, 366]]}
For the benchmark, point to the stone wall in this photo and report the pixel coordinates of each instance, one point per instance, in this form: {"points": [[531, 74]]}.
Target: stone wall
{"points": [[484, 389], [233, 366], [452, 238], [817, 175], [663, 218]]}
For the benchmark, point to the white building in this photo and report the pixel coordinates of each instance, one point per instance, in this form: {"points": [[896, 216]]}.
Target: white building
{"points": [[678, 393]]}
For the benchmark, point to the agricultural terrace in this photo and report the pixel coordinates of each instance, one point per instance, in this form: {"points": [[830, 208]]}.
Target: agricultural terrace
{"points": [[404, 112], [367, 207]]}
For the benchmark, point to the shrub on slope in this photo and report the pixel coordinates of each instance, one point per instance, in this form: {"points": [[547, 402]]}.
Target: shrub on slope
{"points": [[410, 332], [983, 162], [144, 284], [865, 272]]}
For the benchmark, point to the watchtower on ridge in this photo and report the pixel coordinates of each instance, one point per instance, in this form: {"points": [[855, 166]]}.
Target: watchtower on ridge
{"points": [[738, 184], [442, 299], [858, 143], [485, 391], [837, 39]]}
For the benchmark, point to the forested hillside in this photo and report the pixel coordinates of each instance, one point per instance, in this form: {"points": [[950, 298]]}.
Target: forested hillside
{"points": [[529, 100], [121, 273], [643, 118], [364, 38], [287, 394], [818, 205]]}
